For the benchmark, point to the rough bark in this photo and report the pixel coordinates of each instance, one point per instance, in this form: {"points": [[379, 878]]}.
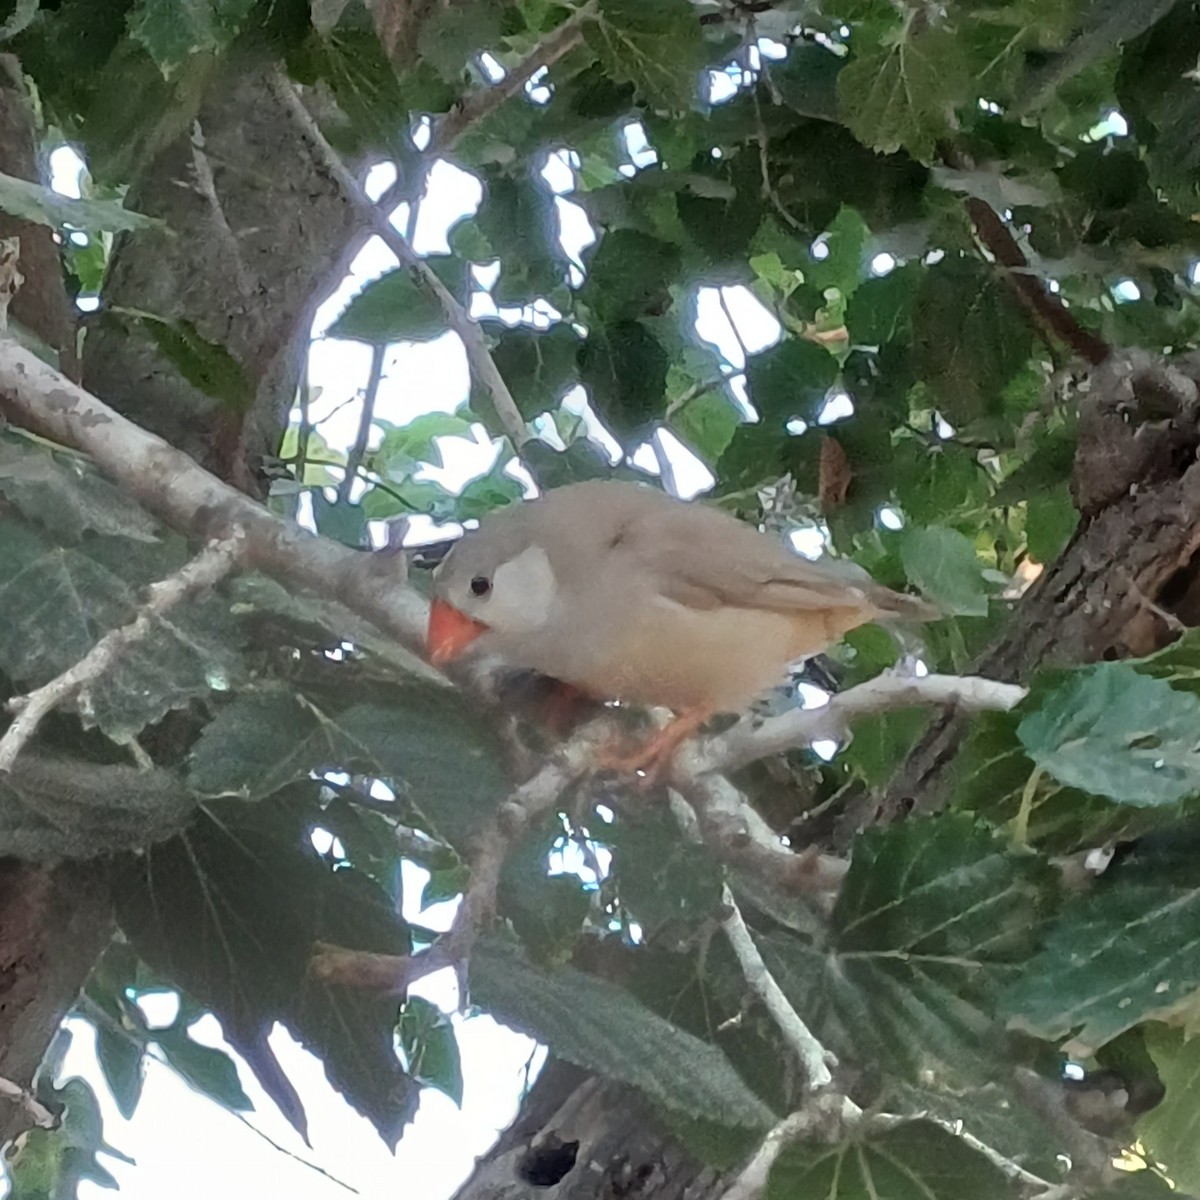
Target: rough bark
{"points": [[258, 231], [623, 1150], [41, 304], [53, 926]]}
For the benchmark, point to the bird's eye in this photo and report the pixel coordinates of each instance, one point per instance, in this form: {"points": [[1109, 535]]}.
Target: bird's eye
{"points": [[480, 585]]}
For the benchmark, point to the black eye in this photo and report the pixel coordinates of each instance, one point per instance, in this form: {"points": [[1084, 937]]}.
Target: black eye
{"points": [[480, 585]]}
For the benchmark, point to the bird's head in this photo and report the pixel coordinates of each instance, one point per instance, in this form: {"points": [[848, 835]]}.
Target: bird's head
{"points": [[496, 579]]}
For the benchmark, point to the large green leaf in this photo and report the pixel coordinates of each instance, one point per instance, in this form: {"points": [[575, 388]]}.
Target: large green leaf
{"points": [[1112, 731], [629, 276], [905, 94], [943, 565], [66, 495], [57, 603], [1168, 1130], [657, 45], [916, 1161], [597, 1025], [430, 747], [934, 918], [624, 367], [230, 911], [174, 30], [969, 337], [1126, 954], [32, 202], [392, 308]]}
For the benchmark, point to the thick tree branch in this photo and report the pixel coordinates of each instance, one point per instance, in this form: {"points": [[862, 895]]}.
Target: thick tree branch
{"points": [[377, 219], [204, 571], [194, 502], [1047, 311]]}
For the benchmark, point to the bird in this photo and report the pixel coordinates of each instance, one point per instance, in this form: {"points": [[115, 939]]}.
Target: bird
{"points": [[623, 592]]}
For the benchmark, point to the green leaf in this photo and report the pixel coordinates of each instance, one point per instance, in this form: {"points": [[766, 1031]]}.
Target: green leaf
{"points": [[204, 364], [934, 917], [624, 368], [433, 749], [657, 45], [843, 266], [431, 1047], [706, 424], [539, 367], [45, 1164], [1168, 1129], [175, 30], [629, 276], [230, 911], [210, 1071], [55, 604], [122, 1056], [969, 337], [32, 202], [1112, 731], [791, 380], [596, 1025], [807, 80], [1050, 520], [392, 308], [1124, 955], [904, 95], [352, 61], [452, 35], [64, 493], [943, 565], [916, 1161], [660, 877]]}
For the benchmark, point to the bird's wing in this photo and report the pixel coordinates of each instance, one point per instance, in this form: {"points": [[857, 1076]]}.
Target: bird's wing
{"points": [[703, 558]]}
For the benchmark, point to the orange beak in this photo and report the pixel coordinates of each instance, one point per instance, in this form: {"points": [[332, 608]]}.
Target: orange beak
{"points": [[450, 632]]}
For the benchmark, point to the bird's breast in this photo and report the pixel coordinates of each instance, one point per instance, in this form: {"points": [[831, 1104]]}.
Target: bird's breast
{"points": [[662, 653]]}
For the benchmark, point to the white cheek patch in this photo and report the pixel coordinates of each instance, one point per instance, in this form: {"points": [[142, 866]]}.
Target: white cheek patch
{"points": [[524, 589]]}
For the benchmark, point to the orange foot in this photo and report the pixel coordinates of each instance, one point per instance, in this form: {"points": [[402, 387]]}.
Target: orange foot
{"points": [[654, 756]]}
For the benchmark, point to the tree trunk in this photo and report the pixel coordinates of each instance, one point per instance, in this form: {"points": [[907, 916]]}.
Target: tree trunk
{"points": [[623, 1150]]}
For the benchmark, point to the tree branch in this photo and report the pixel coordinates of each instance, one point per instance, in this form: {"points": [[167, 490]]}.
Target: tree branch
{"points": [[355, 458], [204, 571], [1049, 314], [482, 103], [194, 502], [377, 219], [391, 973], [752, 739], [814, 1059]]}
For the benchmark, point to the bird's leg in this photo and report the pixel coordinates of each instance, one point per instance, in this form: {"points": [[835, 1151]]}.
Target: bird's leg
{"points": [[655, 754]]}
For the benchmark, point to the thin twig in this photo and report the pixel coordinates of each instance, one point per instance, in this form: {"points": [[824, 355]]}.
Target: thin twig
{"points": [[202, 572], [392, 974], [359, 449], [1013, 1170], [475, 107], [823, 1118], [752, 739], [815, 1060], [377, 219]]}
